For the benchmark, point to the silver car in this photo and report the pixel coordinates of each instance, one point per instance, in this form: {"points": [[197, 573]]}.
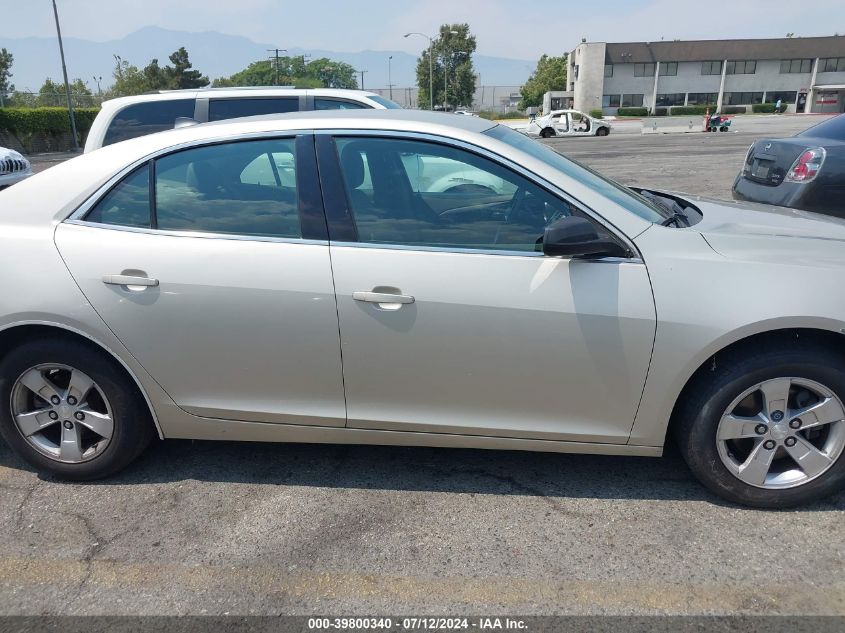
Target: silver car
{"points": [[388, 277]]}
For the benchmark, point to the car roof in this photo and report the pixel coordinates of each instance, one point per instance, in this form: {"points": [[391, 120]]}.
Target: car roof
{"points": [[234, 92]]}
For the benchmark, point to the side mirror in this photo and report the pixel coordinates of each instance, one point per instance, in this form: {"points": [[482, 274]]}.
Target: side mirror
{"points": [[573, 236]]}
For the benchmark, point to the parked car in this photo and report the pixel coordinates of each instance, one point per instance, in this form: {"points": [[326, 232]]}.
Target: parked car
{"points": [[465, 113], [201, 283], [14, 167], [806, 171], [129, 117], [567, 123]]}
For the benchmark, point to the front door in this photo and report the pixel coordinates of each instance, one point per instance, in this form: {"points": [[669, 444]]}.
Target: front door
{"points": [[213, 284], [452, 320]]}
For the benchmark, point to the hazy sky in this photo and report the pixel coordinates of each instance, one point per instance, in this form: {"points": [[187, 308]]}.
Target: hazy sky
{"points": [[504, 27]]}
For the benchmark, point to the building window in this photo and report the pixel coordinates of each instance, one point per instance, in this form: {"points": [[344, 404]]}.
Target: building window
{"points": [[632, 101], [702, 98], [669, 69], [832, 65], [784, 96], [644, 70], [747, 67], [742, 98], [608, 70], [577, 67], [671, 99], [793, 66], [610, 101], [711, 68]]}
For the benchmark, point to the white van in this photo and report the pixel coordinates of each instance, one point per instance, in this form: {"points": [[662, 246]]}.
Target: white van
{"points": [[128, 117]]}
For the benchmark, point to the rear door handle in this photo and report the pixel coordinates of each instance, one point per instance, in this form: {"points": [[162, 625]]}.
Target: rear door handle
{"points": [[381, 297], [128, 280]]}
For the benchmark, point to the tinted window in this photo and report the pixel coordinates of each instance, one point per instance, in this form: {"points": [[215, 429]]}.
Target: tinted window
{"points": [[246, 188], [219, 109], [832, 128], [146, 118], [128, 203], [423, 194], [337, 104], [386, 103], [622, 196]]}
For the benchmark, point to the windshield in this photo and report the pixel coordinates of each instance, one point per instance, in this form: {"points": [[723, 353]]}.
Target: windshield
{"points": [[622, 196], [387, 103], [832, 128]]}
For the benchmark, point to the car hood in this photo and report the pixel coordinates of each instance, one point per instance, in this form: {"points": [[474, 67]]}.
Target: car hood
{"points": [[10, 153], [743, 230]]}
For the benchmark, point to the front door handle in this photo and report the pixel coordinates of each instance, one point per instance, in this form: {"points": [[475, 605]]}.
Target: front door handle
{"points": [[128, 280], [381, 297]]}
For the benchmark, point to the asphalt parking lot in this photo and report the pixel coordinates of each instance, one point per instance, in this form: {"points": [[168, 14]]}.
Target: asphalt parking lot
{"points": [[214, 528]]}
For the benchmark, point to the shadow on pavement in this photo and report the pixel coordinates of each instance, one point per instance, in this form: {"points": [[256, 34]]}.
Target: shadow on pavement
{"points": [[464, 471]]}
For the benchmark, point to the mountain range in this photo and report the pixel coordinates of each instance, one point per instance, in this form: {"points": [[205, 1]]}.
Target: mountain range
{"points": [[217, 55]]}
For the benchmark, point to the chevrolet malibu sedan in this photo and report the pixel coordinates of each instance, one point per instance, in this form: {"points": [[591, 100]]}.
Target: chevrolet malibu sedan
{"points": [[413, 279]]}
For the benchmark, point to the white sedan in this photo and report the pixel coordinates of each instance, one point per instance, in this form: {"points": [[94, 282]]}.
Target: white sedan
{"points": [[567, 123], [13, 167]]}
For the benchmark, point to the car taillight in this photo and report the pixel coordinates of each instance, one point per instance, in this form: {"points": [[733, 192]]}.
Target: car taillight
{"points": [[807, 166], [746, 166]]}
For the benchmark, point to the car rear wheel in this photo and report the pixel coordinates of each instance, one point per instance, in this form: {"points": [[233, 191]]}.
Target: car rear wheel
{"points": [[602, 131], [768, 430], [70, 411], [547, 132]]}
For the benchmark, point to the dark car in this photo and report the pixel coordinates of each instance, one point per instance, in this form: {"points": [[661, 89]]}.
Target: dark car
{"points": [[805, 171]]}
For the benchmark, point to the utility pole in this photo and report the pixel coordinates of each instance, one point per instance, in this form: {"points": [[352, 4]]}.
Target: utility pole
{"points": [[362, 76], [276, 52], [67, 85], [390, 77]]}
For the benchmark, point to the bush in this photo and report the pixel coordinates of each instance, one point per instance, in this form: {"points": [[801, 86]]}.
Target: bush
{"points": [[494, 116], [24, 123], [734, 110], [766, 108], [596, 113], [696, 109], [659, 112], [632, 112]]}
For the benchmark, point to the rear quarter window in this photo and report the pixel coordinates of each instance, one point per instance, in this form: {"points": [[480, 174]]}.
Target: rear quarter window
{"points": [[141, 119]]}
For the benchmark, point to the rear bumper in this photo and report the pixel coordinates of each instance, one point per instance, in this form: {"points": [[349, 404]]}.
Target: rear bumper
{"points": [[787, 194]]}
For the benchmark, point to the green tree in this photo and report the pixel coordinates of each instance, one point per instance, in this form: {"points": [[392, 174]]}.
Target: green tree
{"points": [[293, 71], [550, 74], [6, 59], [181, 75], [454, 75], [52, 93]]}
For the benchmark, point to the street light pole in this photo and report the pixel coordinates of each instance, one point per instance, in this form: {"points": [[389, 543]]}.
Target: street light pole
{"points": [[430, 65], [390, 77], [67, 85]]}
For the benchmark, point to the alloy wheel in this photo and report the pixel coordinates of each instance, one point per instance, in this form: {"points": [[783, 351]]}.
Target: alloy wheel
{"points": [[782, 433], [62, 413]]}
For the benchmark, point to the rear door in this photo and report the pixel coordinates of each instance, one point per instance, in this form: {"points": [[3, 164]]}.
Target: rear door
{"points": [[220, 283]]}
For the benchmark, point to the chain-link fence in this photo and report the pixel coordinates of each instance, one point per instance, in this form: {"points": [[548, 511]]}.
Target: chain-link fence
{"points": [[22, 99]]}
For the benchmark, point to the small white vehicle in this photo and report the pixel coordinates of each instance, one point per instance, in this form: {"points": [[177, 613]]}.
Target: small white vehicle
{"points": [[130, 117], [13, 167], [567, 123]]}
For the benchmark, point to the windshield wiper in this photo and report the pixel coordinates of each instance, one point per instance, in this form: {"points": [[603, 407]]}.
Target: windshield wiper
{"points": [[678, 219]]}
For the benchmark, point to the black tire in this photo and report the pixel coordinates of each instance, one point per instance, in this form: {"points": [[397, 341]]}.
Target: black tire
{"points": [[547, 132], [133, 428], [602, 131], [697, 418]]}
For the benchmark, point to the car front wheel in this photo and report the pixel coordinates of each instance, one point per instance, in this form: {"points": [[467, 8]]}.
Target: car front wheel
{"points": [[768, 430]]}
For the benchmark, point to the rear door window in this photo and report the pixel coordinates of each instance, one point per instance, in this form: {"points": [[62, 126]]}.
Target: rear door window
{"points": [[220, 109], [145, 118], [337, 104], [244, 188]]}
